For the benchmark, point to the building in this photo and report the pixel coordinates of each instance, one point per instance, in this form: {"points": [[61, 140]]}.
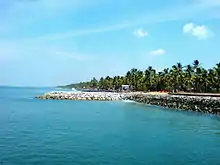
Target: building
{"points": [[125, 87]]}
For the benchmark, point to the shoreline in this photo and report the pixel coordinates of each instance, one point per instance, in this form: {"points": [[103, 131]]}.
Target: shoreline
{"points": [[205, 104]]}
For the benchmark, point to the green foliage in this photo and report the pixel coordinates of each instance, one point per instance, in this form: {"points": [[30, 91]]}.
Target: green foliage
{"points": [[177, 78]]}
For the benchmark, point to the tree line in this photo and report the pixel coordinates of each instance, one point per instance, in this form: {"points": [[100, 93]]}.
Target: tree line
{"points": [[192, 77]]}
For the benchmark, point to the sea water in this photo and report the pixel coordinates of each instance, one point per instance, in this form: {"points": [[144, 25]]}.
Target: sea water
{"points": [[52, 132]]}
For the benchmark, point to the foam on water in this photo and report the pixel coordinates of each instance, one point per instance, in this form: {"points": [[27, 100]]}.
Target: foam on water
{"points": [[128, 101]]}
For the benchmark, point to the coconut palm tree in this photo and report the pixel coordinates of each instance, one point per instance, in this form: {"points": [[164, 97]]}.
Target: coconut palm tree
{"points": [[177, 73], [101, 83], [197, 71], [195, 64], [94, 83], [217, 76], [203, 80], [188, 73], [128, 78], [139, 80], [152, 79], [178, 77]]}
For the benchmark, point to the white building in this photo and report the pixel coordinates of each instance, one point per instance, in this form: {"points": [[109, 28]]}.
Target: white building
{"points": [[125, 87]]}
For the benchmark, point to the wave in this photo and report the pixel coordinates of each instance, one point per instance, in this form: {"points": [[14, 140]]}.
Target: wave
{"points": [[128, 101], [65, 90]]}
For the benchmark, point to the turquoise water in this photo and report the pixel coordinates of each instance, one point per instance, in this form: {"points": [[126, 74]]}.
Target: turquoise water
{"points": [[48, 132]]}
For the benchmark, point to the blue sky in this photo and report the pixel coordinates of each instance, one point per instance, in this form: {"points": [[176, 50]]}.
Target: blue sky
{"points": [[53, 42]]}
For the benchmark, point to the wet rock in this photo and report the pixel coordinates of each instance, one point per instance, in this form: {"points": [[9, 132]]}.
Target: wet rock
{"points": [[101, 96], [195, 103]]}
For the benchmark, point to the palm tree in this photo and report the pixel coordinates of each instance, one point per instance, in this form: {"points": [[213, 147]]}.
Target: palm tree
{"points": [[165, 78], [178, 77], [94, 83], [139, 80], [165, 71], [101, 83], [160, 81], [152, 80], [150, 68], [197, 78], [217, 76], [108, 83], [203, 80], [188, 77], [211, 80], [195, 64], [128, 78], [177, 72], [197, 71], [134, 78]]}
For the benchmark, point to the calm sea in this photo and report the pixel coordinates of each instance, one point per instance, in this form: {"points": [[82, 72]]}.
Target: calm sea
{"points": [[49, 132]]}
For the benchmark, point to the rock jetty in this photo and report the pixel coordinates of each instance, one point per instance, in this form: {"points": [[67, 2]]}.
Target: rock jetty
{"points": [[101, 96], [203, 104], [195, 103]]}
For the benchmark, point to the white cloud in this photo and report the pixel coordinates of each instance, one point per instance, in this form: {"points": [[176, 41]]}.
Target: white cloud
{"points": [[181, 12], [200, 31], [140, 33], [46, 8], [158, 52], [188, 27]]}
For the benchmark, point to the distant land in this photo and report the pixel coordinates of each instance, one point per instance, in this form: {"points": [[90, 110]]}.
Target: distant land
{"points": [[190, 78]]}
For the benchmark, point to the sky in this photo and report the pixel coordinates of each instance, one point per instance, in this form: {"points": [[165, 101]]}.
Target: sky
{"points": [[54, 42]]}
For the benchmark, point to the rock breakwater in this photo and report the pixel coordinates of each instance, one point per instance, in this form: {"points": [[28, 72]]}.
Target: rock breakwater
{"points": [[101, 96], [194, 103]]}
